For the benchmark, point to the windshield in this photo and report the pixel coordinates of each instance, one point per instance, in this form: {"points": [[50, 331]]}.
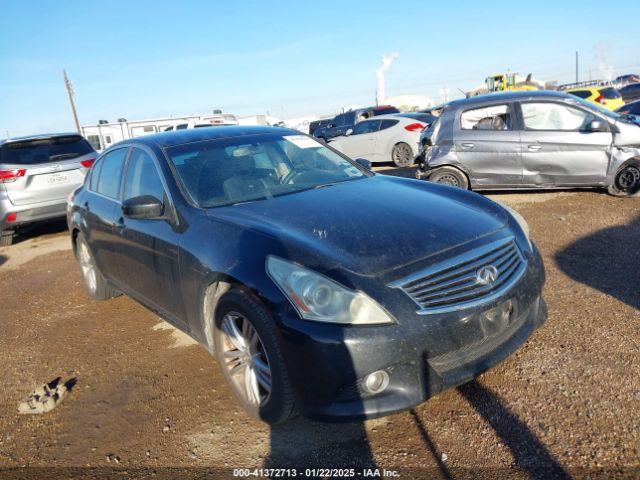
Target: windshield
{"points": [[44, 150], [256, 167]]}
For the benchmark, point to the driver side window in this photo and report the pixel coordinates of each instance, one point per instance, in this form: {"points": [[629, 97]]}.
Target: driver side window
{"points": [[142, 177]]}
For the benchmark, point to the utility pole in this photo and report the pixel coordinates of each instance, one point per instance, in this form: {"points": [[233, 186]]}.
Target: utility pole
{"points": [[576, 67], [70, 91]]}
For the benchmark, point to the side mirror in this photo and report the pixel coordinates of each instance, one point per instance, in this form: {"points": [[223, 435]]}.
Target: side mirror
{"points": [[349, 132], [144, 207], [364, 163], [596, 126]]}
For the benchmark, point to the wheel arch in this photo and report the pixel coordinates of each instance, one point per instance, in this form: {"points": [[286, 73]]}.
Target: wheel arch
{"points": [[213, 289]]}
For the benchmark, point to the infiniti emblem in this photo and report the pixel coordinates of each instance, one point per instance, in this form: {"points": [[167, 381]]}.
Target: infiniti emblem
{"points": [[486, 275]]}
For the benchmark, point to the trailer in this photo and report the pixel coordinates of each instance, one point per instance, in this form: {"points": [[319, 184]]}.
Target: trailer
{"points": [[104, 134]]}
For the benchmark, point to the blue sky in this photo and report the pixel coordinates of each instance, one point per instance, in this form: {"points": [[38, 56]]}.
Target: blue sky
{"points": [[290, 58]]}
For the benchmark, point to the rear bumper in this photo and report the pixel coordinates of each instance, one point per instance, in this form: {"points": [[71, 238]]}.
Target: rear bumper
{"points": [[26, 214]]}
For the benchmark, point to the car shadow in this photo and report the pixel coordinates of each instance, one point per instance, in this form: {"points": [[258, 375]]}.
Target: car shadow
{"points": [[3, 259], [40, 229], [607, 260], [528, 451]]}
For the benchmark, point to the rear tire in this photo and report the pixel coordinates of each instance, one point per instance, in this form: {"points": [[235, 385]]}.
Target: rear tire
{"points": [[6, 238], [450, 176], [95, 283], [626, 182], [402, 155], [247, 350]]}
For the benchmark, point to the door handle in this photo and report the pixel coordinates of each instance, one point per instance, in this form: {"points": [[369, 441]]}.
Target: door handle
{"points": [[534, 147], [468, 145]]}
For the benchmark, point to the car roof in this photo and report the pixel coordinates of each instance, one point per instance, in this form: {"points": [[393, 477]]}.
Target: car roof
{"points": [[180, 137], [391, 116], [40, 136], [507, 97]]}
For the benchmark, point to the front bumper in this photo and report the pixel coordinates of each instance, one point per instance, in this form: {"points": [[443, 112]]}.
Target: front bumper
{"points": [[327, 363]]}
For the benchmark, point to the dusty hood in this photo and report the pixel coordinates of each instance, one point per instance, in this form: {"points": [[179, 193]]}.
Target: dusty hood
{"points": [[370, 225]]}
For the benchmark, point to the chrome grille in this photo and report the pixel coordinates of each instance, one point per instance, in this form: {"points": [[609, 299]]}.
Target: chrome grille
{"points": [[462, 281]]}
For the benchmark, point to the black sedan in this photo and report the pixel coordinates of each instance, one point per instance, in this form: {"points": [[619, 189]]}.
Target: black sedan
{"points": [[320, 287]]}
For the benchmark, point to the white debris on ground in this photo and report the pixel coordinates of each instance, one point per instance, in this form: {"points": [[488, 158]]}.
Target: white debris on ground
{"points": [[45, 398], [180, 339]]}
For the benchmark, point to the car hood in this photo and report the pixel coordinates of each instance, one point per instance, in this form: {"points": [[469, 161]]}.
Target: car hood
{"points": [[370, 225]]}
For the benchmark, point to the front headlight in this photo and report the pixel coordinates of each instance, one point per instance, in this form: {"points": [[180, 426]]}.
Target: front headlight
{"points": [[521, 221], [319, 298]]}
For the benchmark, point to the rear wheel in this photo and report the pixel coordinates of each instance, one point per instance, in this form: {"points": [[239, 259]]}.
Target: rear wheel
{"points": [[626, 182], [449, 176], [402, 155], [6, 238], [94, 281], [248, 353]]}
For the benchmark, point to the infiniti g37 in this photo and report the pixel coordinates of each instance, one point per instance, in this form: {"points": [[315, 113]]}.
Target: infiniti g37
{"points": [[321, 288]]}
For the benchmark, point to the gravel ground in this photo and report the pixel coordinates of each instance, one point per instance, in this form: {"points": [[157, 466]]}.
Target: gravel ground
{"points": [[567, 404]]}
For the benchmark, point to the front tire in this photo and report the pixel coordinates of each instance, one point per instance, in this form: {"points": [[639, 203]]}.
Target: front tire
{"points": [[402, 155], [248, 353], [449, 176], [95, 283], [626, 182]]}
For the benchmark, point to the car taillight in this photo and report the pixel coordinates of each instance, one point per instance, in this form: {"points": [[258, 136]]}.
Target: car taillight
{"points": [[601, 99], [12, 217], [8, 176], [87, 163], [414, 127]]}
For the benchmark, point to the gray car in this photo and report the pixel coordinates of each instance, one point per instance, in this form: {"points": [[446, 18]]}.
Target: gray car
{"points": [[531, 140], [37, 174]]}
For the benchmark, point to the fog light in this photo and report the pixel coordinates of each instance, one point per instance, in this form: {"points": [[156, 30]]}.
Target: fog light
{"points": [[376, 382], [12, 217]]}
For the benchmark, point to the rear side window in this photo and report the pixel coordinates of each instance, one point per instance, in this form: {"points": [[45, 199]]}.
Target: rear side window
{"points": [[495, 117], [384, 124], [45, 150], [609, 93], [111, 173], [554, 116], [142, 177], [581, 93]]}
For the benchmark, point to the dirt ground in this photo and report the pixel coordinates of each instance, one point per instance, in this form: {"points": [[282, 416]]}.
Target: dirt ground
{"points": [[567, 404]]}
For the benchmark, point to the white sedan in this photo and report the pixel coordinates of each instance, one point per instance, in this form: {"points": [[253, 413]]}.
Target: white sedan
{"points": [[383, 138]]}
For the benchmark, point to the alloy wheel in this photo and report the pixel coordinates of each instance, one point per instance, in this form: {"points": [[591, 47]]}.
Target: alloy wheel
{"points": [[402, 155], [87, 267], [245, 359]]}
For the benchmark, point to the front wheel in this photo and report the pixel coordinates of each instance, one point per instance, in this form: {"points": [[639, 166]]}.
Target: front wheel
{"points": [[402, 155], [626, 182], [247, 350], [449, 176]]}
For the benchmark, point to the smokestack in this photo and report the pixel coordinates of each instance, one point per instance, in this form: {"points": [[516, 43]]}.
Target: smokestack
{"points": [[387, 60]]}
